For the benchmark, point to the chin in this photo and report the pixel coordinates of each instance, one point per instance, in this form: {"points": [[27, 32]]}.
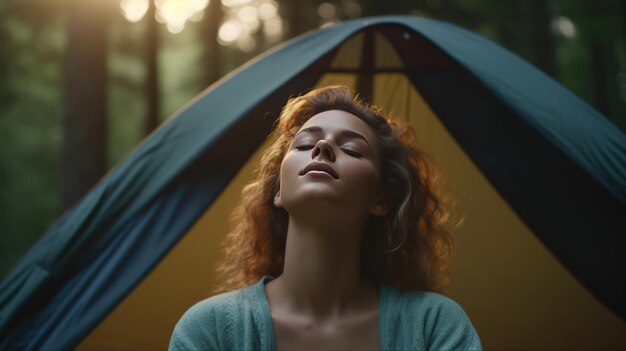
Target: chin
{"points": [[327, 208], [318, 198], [313, 200]]}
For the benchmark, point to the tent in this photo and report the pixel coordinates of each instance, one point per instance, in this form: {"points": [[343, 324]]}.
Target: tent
{"points": [[541, 177]]}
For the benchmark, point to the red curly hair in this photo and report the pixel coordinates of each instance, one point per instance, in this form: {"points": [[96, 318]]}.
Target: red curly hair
{"points": [[415, 249]]}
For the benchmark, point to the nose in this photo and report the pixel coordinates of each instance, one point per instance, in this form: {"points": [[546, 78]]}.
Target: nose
{"points": [[323, 150]]}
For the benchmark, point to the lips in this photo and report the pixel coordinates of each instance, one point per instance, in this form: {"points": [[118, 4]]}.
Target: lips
{"points": [[320, 167]]}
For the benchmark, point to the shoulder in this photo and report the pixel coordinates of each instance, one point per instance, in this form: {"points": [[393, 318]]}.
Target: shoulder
{"points": [[200, 327], [427, 305], [431, 304], [207, 310], [431, 321], [207, 325]]}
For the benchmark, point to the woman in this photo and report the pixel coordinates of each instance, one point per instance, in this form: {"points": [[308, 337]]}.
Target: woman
{"points": [[343, 237]]}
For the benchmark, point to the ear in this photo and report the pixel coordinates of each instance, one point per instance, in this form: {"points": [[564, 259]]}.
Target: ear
{"points": [[381, 206], [278, 202]]}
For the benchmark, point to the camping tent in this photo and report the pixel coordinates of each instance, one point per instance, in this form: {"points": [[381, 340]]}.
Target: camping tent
{"points": [[541, 178]]}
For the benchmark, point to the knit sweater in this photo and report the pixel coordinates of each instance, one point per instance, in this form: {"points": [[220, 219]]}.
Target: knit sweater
{"points": [[241, 320]]}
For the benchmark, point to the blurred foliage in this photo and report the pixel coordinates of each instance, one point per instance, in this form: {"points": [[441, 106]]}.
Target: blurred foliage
{"points": [[588, 51], [30, 123]]}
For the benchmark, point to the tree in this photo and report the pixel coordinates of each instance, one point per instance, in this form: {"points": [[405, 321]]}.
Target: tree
{"points": [[84, 126], [152, 68], [211, 24], [544, 55]]}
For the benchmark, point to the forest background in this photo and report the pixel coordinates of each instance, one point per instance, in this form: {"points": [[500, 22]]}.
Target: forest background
{"points": [[82, 82]]}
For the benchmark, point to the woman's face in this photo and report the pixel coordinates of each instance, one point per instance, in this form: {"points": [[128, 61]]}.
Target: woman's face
{"points": [[332, 163]]}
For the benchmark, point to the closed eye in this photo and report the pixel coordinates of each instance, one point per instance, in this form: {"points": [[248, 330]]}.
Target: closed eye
{"points": [[304, 147], [353, 153]]}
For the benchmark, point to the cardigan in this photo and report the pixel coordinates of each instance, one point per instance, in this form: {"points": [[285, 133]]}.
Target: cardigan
{"points": [[241, 320]]}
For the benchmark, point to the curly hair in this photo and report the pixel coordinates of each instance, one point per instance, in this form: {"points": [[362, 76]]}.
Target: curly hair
{"points": [[410, 248]]}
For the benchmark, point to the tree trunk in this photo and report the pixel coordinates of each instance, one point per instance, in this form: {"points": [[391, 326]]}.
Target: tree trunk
{"points": [[152, 74], [294, 13], [84, 125], [504, 24], [623, 8], [212, 21], [544, 55], [598, 53]]}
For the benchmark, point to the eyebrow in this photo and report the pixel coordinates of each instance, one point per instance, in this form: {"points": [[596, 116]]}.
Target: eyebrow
{"points": [[344, 133]]}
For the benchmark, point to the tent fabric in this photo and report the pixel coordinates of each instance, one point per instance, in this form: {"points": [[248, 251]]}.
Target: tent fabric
{"points": [[550, 155]]}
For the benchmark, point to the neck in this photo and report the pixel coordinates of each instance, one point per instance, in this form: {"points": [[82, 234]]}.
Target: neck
{"points": [[322, 275]]}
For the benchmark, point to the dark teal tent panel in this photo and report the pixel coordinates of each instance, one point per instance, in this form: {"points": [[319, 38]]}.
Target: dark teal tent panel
{"points": [[560, 116], [94, 256]]}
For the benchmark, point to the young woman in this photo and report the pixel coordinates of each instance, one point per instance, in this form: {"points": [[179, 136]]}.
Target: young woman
{"points": [[340, 243]]}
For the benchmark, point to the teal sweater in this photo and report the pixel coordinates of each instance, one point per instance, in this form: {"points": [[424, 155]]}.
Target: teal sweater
{"points": [[241, 320]]}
